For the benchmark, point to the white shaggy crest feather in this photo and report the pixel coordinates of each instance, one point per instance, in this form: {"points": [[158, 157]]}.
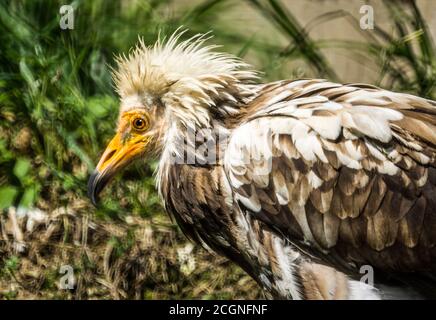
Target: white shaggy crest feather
{"points": [[153, 69]]}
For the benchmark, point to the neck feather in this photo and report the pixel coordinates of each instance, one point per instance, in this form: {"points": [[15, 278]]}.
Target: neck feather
{"points": [[197, 129]]}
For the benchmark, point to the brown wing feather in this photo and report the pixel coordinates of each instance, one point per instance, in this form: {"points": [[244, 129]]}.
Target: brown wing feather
{"points": [[366, 195]]}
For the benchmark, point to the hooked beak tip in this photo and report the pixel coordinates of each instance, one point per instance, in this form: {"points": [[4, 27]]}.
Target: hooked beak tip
{"points": [[95, 184]]}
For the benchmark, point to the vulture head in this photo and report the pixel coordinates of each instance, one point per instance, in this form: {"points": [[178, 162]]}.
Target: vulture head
{"points": [[168, 87]]}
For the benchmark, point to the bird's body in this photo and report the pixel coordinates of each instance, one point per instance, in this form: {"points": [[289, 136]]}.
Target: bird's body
{"points": [[302, 183]]}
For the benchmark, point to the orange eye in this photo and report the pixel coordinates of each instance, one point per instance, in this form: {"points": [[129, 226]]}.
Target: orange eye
{"points": [[139, 123]]}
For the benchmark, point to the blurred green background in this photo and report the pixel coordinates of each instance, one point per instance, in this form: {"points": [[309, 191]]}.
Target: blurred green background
{"points": [[58, 109]]}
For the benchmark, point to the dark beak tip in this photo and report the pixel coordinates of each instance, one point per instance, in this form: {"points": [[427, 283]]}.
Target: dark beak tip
{"points": [[94, 187]]}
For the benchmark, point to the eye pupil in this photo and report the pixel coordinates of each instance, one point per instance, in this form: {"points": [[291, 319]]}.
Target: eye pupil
{"points": [[139, 123]]}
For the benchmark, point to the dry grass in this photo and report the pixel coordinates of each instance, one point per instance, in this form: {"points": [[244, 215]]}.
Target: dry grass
{"points": [[134, 258]]}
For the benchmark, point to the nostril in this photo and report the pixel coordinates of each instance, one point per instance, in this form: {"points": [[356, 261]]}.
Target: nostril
{"points": [[109, 155]]}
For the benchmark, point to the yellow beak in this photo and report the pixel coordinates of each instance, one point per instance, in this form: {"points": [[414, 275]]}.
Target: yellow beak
{"points": [[118, 154]]}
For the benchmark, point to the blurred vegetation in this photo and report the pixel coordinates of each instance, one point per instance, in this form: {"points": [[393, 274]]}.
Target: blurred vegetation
{"points": [[58, 109]]}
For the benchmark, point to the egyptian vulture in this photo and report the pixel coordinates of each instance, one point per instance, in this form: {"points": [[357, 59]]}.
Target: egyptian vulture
{"points": [[302, 183]]}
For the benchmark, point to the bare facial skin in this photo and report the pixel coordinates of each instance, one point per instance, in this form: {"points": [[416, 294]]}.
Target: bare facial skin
{"points": [[129, 143]]}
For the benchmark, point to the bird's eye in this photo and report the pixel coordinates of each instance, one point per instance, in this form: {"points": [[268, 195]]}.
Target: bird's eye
{"points": [[139, 123]]}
